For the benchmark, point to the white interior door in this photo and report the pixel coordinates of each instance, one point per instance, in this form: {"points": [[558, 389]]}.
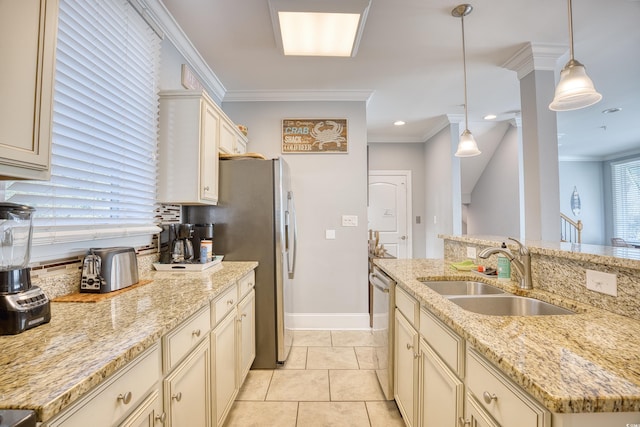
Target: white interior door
{"points": [[390, 209]]}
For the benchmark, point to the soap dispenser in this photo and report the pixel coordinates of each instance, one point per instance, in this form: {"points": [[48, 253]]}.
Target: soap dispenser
{"points": [[504, 265]]}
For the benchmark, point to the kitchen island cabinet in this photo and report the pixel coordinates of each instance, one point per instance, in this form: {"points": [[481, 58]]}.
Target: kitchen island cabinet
{"points": [[532, 370], [28, 32], [113, 362]]}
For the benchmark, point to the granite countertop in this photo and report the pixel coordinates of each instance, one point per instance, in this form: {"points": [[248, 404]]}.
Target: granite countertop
{"points": [[49, 367], [587, 362]]}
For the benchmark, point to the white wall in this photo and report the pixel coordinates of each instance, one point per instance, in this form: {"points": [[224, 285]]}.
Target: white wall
{"points": [[400, 156], [330, 286], [441, 189], [495, 204], [587, 177]]}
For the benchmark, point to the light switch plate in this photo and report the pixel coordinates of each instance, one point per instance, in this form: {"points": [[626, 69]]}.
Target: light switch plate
{"points": [[605, 283], [471, 252], [349, 220], [330, 234]]}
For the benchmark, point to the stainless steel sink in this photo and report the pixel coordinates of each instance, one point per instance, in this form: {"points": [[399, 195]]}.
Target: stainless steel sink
{"points": [[462, 287], [507, 305]]}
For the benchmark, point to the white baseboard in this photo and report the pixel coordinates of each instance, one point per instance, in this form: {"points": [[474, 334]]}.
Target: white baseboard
{"points": [[329, 321]]}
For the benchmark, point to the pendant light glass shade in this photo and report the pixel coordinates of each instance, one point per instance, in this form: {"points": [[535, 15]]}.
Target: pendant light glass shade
{"points": [[575, 89], [467, 146]]}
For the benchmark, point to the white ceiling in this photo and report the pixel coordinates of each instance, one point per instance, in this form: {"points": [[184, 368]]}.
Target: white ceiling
{"points": [[410, 62]]}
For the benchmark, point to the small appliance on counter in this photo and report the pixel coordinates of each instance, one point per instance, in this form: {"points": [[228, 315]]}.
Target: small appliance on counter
{"points": [[22, 306], [187, 247], [17, 418], [109, 269]]}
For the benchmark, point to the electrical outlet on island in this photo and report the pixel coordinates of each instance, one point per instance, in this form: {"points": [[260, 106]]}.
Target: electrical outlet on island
{"points": [[605, 283], [471, 252]]}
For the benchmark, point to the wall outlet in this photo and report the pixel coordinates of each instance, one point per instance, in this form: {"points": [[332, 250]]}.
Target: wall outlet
{"points": [[605, 283], [349, 220], [330, 234], [471, 252]]}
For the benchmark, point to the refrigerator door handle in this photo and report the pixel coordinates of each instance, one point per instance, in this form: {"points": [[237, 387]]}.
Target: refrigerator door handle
{"points": [[291, 235]]}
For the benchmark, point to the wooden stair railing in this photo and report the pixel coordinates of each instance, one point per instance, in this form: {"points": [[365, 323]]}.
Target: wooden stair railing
{"points": [[570, 230]]}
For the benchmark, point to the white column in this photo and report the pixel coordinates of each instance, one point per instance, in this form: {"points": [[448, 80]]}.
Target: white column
{"points": [[535, 66]]}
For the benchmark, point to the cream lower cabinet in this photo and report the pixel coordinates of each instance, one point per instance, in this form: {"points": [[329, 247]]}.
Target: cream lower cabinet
{"points": [[475, 415], [406, 368], [223, 349], [149, 413], [440, 391], [247, 334]]}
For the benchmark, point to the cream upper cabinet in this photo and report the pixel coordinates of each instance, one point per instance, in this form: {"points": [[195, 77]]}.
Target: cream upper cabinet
{"points": [[28, 31], [232, 141], [188, 148]]}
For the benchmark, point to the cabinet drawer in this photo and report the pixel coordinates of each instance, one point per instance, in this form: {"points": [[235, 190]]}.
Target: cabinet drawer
{"points": [[181, 340], [503, 400], [407, 305], [247, 283], [448, 344], [116, 396], [224, 303]]}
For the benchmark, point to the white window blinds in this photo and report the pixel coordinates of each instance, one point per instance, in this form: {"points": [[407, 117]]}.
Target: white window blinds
{"points": [[104, 169], [626, 200]]}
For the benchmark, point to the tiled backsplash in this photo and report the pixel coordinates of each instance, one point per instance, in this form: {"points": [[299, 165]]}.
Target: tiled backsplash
{"points": [[561, 270]]}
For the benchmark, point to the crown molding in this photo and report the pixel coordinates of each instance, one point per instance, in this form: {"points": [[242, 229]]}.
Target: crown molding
{"points": [[172, 30], [297, 95], [535, 56]]}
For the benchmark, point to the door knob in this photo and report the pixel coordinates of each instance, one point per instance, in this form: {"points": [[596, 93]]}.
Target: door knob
{"points": [[403, 237]]}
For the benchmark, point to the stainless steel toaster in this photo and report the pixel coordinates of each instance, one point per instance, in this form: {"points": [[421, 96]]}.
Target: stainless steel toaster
{"points": [[109, 269]]}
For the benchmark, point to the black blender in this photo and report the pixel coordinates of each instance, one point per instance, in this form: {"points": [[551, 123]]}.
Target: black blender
{"points": [[22, 306]]}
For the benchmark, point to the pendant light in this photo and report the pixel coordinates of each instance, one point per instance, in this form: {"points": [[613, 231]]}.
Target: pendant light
{"points": [[575, 89], [467, 146]]}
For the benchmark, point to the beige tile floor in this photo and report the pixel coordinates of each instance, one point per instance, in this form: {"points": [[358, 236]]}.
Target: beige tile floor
{"points": [[328, 380]]}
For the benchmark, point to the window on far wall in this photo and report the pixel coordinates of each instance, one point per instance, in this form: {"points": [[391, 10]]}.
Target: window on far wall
{"points": [[104, 168], [625, 178]]}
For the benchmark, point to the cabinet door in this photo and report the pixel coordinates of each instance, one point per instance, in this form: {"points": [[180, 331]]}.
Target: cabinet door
{"points": [[475, 415], [441, 392], [241, 145], [148, 413], [247, 340], [209, 153], [227, 138], [186, 390], [406, 368], [28, 43], [223, 343]]}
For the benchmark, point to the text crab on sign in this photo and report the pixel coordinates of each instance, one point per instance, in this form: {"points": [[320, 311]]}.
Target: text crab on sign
{"points": [[314, 135]]}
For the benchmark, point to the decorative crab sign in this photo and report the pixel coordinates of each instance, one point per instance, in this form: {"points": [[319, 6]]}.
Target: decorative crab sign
{"points": [[314, 136]]}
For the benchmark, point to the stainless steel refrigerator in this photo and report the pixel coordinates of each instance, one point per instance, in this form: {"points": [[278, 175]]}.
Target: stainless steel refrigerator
{"points": [[255, 221]]}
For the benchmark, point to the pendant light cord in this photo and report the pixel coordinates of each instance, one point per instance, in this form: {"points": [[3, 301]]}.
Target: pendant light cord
{"points": [[570, 31], [464, 68]]}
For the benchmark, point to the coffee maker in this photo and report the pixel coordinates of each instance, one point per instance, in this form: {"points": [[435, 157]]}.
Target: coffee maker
{"points": [[22, 306], [177, 242]]}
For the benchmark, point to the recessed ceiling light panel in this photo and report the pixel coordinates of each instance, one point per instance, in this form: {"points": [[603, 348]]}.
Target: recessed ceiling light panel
{"points": [[399, 123], [318, 28]]}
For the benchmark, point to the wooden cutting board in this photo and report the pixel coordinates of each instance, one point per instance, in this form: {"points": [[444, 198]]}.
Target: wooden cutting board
{"points": [[87, 297]]}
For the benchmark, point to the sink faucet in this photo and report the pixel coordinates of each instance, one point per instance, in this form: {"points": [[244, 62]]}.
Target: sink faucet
{"points": [[522, 263]]}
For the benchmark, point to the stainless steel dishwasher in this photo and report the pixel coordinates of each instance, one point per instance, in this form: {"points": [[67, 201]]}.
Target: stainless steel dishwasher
{"points": [[383, 305]]}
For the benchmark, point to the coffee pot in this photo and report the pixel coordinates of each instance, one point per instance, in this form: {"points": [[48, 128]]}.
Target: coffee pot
{"points": [[182, 249]]}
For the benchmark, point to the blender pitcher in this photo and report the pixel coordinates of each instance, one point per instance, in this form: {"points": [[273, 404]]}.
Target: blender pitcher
{"points": [[16, 229]]}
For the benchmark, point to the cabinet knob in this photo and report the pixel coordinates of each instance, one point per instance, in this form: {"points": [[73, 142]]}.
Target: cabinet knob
{"points": [[409, 346], [230, 302], [125, 398], [416, 355], [462, 422], [162, 418], [196, 333], [177, 396], [488, 397], [251, 285], [206, 188]]}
